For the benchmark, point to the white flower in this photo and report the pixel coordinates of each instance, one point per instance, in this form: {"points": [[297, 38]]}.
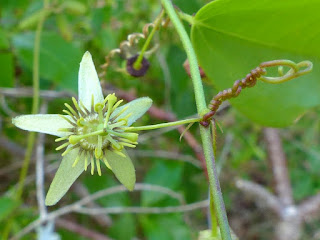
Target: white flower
{"points": [[95, 130]]}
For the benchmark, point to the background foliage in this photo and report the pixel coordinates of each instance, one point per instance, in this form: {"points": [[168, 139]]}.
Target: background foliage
{"points": [[99, 26]]}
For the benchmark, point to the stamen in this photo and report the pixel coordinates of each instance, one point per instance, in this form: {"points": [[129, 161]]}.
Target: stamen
{"points": [[81, 122], [72, 110], [119, 153], [77, 106], [92, 103], [62, 146], [111, 101], [69, 149], [98, 108], [127, 140], [70, 114], [92, 164], [115, 145], [128, 144], [119, 113], [98, 149], [68, 120], [116, 105], [70, 130], [106, 163], [122, 122], [85, 162], [98, 166], [77, 158], [61, 139], [84, 108], [128, 135]]}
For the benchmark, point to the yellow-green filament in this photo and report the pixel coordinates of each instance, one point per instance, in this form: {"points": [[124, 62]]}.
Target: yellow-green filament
{"points": [[61, 139], [92, 165], [68, 120], [72, 110], [76, 161], [77, 106], [86, 162], [98, 166], [119, 153], [62, 146], [106, 163], [98, 149]]}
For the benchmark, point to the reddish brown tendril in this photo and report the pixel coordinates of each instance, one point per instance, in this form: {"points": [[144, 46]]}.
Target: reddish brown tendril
{"points": [[249, 81]]}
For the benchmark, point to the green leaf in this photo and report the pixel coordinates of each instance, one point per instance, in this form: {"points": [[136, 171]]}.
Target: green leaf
{"points": [[59, 60], [137, 108], [7, 69], [7, 205], [123, 168], [233, 37], [65, 177], [164, 174]]}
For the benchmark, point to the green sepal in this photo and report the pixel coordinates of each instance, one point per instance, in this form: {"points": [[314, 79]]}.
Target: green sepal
{"points": [[65, 177], [122, 168]]}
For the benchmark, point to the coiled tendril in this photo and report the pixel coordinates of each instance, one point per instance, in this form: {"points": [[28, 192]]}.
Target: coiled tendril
{"points": [[296, 70]]}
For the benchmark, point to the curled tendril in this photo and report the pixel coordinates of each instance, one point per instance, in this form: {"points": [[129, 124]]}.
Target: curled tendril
{"points": [[296, 70], [259, 73], [128, 47]]}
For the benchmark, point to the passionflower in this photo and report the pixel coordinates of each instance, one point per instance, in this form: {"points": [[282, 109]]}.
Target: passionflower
{"points": [[94, 130]]}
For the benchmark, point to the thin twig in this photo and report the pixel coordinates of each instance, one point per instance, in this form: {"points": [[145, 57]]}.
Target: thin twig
{"points": [[28, 92], [260, 195], [80, 229], [40, 166], [74, 207], [279, 166]]}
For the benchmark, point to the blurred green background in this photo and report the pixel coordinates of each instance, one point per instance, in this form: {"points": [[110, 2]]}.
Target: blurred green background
{"points": [[74, 27]]}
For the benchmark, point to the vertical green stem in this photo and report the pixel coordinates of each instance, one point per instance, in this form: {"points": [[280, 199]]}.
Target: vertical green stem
{"points": [[35, 109], [205, 132]]}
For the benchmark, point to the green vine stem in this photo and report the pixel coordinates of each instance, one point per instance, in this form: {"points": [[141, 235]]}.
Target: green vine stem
{"points": [[162, 125], [137, 64], [205, 132], [35, 109]]}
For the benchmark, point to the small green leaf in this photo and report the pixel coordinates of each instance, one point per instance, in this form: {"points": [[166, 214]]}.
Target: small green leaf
{"points": [[7, 205], [233, 37], [65, 177], [123, 168], [7, 71], [137, 107]]}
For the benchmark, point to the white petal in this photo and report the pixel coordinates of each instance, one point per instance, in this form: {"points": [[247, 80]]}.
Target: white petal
{"points": [[88, 82], [44, 123], [137, 108]]}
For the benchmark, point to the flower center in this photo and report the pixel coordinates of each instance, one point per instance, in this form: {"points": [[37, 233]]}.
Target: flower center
{"points": [[97, 130]]}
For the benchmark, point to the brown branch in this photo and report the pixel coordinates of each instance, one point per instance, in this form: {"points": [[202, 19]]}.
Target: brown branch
{"points": [[28, 92], [80, 229], [260, 195], [279, 166], [82, 192], [310, 207]]}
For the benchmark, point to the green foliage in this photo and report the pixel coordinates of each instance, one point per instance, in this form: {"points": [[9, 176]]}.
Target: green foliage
{"points": [[7, 205], [59, 58], [163, 174], [231, 38]]}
